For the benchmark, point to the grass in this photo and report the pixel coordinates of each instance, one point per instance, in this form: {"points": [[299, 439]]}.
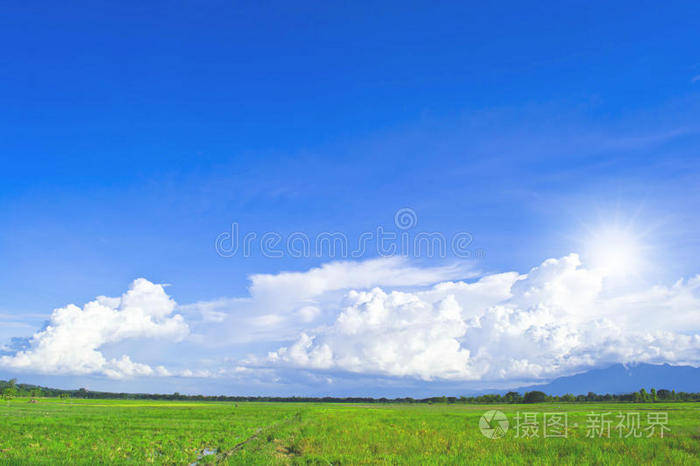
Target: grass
{"points": [[109, 431]]}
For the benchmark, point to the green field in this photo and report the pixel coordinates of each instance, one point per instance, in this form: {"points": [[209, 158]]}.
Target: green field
{"points": [[53, 431]]}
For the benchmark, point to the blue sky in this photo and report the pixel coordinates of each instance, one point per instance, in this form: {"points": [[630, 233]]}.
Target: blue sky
{"points": [[133, 135]]}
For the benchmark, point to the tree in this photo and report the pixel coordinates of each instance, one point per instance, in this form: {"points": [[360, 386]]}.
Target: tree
{"points": [[653, 395], [534, 397], [9, 392], [513, 397], [569, 397], [643, 395]]}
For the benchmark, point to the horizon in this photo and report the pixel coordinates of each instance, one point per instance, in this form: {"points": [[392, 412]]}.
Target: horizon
{"points": [[544, 388]]}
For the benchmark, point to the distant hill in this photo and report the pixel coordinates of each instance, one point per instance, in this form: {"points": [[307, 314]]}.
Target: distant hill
{"points": [[618, 379], [621, 378]]}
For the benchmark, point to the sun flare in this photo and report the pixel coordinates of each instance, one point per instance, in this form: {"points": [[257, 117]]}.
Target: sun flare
{"points": [[616, 252]]}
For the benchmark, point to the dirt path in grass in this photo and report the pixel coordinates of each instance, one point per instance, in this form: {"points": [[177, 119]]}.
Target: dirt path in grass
{"points": [[221, 457]]}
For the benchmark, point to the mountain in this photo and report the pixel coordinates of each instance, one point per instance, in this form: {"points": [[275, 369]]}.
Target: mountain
{"points": [[621, 378]]}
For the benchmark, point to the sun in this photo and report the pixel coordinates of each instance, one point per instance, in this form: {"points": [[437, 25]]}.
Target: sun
{"points": [[621, 245], [615, 252]]}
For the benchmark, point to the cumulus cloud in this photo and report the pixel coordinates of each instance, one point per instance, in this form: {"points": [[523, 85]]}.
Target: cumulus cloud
{"points": [[389, 333], [281, 305], [382, 318], [557, 319], [386, 271], [71, 341]]}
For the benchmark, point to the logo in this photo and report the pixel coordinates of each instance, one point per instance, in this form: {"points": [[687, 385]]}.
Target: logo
{"points": [[493, 424], [405, 218]]}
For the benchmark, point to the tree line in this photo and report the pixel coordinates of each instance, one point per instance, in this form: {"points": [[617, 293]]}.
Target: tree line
{"points": [[11, 388]]}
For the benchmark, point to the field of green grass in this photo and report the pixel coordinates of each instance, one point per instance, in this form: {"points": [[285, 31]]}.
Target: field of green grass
{"points": [[53, 431]]}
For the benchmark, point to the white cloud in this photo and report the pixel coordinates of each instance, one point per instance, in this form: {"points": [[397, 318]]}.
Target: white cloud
{"points": [[388, 333], [557, 319], [390, 271], [281, 305], [383, 317], [71, 342], [278, 307]]}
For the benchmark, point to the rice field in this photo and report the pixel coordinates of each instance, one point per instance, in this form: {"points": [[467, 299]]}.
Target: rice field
{"points": [[53, 431]]}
